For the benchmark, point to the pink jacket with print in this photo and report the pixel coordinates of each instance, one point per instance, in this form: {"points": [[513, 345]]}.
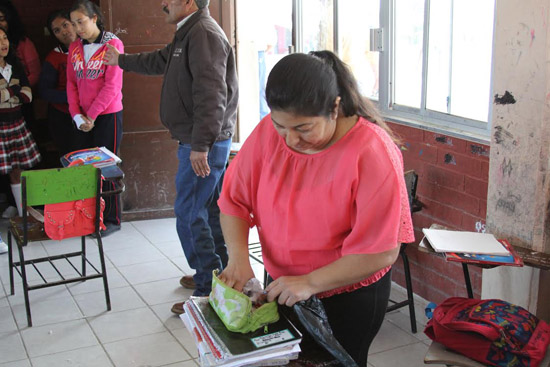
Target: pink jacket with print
{"points": [[94, 88]]}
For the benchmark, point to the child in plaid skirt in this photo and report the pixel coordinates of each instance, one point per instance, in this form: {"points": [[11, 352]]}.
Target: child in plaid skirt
{"points": [[18, 149]]}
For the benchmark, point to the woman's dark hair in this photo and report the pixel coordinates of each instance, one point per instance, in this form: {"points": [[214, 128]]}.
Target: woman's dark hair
{"points": [[309, 84], [90, 9], [302, 84], [16, 31], [12, 59], [54, 15]]}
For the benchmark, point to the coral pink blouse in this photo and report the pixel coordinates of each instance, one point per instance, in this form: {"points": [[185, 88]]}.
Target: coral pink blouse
{"points": [[310, 210]]}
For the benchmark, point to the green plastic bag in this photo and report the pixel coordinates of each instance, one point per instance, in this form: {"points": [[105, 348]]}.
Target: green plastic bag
{"points": [[235, 308]]}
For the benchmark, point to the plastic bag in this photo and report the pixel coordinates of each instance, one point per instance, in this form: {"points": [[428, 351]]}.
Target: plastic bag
{"points": [[313, 317]]}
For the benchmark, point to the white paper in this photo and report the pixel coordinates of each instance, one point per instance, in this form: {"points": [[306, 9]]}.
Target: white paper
{"points": [[467, 242]]}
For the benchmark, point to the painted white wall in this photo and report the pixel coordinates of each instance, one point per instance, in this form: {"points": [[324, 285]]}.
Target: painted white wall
{"points": [[519, 185], [516, 285]]}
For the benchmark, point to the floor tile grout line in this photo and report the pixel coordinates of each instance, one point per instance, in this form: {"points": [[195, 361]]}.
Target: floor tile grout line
{"points": [[165, 328], [132, 286], [169, 330], [396, 347], [12, 312]]}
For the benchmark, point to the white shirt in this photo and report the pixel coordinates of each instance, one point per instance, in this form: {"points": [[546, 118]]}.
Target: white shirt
{"points": [[90, 49], [6, 72], [182, 22]]}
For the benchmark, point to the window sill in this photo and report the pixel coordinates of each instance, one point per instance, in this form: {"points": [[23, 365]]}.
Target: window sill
{"points": [[476, 137]]}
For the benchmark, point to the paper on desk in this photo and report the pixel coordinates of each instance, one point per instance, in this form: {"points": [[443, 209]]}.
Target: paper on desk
{"points": [[466, 242]]}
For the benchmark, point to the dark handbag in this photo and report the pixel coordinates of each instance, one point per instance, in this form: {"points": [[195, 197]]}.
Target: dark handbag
{"points": [[72, 218]]}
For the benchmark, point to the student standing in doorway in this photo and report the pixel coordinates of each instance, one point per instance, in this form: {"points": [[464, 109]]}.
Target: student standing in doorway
{"points": [[25, 51], [94, 91], [20, 43], [53, 82], [18, 150]]}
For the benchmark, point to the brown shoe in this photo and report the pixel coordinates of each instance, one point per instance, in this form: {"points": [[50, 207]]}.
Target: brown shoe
{"points": [[177, 308], [187, 281]]}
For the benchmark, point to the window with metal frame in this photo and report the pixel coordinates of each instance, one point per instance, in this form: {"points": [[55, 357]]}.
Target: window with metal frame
{"points": [[427, 62], [436, 63]]}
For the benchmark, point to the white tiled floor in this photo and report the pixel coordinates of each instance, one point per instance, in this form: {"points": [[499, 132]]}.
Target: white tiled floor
{"points": [[145, 262]]}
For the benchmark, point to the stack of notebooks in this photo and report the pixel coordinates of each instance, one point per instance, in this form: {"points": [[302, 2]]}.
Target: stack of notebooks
{"points": [[275, 345], [470, 247], [99, 157]]}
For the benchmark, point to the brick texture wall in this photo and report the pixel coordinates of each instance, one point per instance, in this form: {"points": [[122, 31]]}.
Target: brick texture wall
{"points": [[452, 185]]}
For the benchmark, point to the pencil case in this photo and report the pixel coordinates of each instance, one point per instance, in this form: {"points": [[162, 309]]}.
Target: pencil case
{"points": [[235, 308]]}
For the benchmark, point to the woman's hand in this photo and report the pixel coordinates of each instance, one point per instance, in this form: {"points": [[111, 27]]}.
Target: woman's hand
{"points": [[290, 289], [88, 125], [236, 276]]}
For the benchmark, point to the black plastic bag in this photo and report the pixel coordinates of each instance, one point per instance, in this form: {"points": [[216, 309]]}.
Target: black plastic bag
{"points": [[313, 317]]}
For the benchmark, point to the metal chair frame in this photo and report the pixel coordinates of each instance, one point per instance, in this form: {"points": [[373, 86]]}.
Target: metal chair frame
{"points": [[411, 181], [39, 187]]}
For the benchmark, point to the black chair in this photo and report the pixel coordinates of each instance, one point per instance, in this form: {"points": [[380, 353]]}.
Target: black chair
{"points": [[411, 180]]}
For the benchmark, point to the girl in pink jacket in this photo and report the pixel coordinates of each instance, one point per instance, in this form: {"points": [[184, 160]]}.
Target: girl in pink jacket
{"points": [[94, 91]]}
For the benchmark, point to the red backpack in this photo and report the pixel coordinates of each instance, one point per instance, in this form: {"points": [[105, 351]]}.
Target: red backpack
{"points": [[492, 331]]}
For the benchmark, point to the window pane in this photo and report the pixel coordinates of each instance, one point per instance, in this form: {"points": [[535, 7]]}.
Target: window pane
{"points": [[409, 25], [355, 19], [262, 41], [472, 55], [439, 55], [317, 25]]}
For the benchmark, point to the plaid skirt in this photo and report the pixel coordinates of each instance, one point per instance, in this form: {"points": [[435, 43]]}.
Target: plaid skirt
{"points": [[17, 146]]}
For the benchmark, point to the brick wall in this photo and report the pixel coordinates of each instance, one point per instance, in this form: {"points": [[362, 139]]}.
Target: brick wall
{"points": [[452, 185]]}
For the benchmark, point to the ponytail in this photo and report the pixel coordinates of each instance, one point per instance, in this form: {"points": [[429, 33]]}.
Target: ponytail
{"points": [[352, 102]]}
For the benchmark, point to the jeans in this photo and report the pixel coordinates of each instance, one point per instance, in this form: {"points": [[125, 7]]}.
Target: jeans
{"points": [[198, 215]]}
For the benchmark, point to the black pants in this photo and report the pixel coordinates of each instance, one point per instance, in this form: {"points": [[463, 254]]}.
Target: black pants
{"points": [[356, 317], [62, 130], [107, 132]]}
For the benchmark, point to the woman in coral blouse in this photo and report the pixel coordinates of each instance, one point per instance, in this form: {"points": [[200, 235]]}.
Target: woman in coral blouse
{"points": [[322, 180]]}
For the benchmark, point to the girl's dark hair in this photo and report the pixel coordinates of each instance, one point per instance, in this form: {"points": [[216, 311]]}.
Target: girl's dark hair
{"points": [[90, 9], [54, 15], [309, 84], [13, 60], [16, 31]]}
